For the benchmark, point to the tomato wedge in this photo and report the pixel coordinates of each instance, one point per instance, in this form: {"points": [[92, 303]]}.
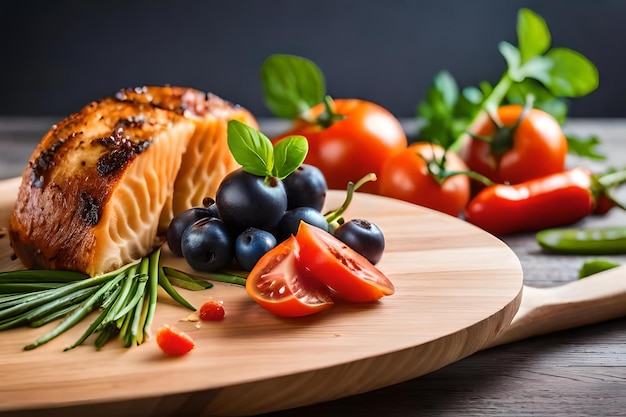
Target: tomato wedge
{"points": [[327, 259], [277, 285], [173, 342]]}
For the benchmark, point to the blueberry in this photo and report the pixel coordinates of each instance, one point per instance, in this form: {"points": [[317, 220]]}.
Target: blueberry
{"points": [[251, 244], [211, 207], [363, 237], [247, 200], [182, 221], [288, 225], [306, 187], [207, 245]]}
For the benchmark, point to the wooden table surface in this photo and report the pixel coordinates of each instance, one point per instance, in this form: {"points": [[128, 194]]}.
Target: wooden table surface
{"points": [[577, 372]]}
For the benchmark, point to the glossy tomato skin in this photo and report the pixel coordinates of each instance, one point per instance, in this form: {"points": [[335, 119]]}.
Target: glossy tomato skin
{"points": [[211, 311], [328, 260], [353, 147], [405, 176], [538, 147], [278, 286]]}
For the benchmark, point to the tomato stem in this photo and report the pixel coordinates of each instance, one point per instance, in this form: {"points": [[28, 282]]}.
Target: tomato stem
{"points": [[491, 102], [603, 185], [502, 140], [328, 117], [437, 170], [472, 174], [334, 217], [613, 178]]}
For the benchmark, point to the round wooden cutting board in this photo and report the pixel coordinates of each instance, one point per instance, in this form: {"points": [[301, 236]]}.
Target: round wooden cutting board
{"points": [[457, 287]]}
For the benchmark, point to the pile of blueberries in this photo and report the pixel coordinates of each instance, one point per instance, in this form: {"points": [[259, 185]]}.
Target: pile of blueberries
{"points": [[252, 214]]}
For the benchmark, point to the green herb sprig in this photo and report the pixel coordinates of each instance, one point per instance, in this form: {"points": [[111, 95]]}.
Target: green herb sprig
{"points": [[125, 299], [549, 75]]}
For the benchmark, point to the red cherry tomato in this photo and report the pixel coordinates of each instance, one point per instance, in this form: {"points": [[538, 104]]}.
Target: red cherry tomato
{"points": [[405, 176], [173, 342], [211, 311], [327, 259], [535, 148], [353, 147], [277, 285]]}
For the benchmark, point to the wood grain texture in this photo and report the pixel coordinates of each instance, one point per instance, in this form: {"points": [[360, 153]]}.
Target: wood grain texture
{"points": [[594, 299], [574, 372], [577, 372], [456, 289]]}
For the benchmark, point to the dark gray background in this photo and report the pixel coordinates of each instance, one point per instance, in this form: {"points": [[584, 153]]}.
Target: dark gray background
{"points": [[56, 56]]}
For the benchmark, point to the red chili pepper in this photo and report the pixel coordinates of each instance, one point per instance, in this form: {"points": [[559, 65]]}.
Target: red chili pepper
{"points": [[604, 204], [549, 201], [606, 186]]}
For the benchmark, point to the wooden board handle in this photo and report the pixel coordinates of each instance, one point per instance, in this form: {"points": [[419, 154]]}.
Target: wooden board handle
{"points": [[590, 300]]}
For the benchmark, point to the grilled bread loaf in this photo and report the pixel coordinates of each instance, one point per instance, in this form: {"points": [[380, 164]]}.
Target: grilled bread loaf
{"points": [[103, 184]]}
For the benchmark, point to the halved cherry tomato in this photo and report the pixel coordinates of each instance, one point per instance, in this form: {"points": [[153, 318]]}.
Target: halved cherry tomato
{"points": [[353, 147], [329, 260], [406, 176], [277, 285], [534, 148], [173, 342]]}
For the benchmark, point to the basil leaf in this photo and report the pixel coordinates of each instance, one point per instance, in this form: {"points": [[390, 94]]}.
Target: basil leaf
{"points": [[291, 84], [250, 148], [513, 60], [538, 67], [584, 147], [572, 74], [533, 34], [473, 95], [558, 108], [544, 99], [289, 154]]}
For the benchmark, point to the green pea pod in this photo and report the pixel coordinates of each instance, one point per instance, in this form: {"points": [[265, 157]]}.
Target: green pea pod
{"points": [[595, 266], [598, 241]]}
